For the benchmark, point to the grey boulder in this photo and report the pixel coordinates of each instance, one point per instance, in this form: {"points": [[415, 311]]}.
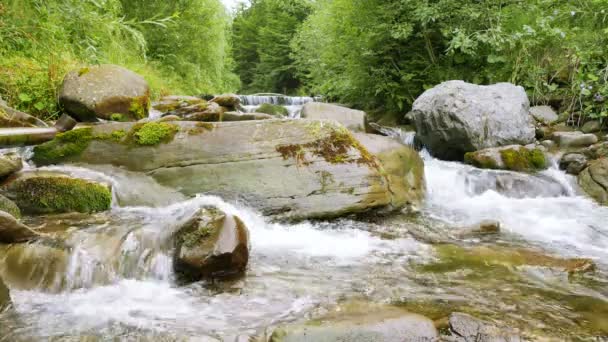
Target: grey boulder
{"points": [[544, 114], [574, 139], [573, 163], [455, 117], [105, 92]]}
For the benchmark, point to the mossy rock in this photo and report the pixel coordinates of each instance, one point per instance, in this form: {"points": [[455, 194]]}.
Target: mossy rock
{"points": [[513, 158], [100, 91], [10, 207], [9, 164], [50, 192], [524, 159], [69, 145], [273, 109]]}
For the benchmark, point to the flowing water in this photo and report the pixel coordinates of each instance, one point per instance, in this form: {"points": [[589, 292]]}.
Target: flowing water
{"points": [[113, 279], [293, 103]]}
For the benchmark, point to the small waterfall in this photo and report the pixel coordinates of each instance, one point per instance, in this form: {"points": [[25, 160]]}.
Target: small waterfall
{"points": [[293, 103], [276, 99]]}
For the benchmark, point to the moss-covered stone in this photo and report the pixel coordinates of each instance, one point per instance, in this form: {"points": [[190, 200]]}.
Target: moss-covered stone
{"points": [[153, 133], [523, 159], [10, 207], [117, 117], [273, 109], [481, 161], [63, 147], [46, 193], [140, 106]]}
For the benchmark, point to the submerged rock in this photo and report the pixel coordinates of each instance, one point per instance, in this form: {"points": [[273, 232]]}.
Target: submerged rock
{"points": [[354, 120], [487, 227], [573, 163], [513, 158], [44, 192], [512, 184], [357, 322], [455, 117], [594, 180], [9, 164], [105, 92], [574, 139], [287, 168], [471, 329], [489, 258], [272, 109], [213, 244], [12, 231]]}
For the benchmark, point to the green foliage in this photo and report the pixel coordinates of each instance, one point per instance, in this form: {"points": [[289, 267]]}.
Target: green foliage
{"points": [[262, 34], [382, 54], [58, 194], [179, 47]]}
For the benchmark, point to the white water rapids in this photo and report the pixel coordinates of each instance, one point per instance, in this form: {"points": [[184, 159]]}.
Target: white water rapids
{"points": [[295, 269]]}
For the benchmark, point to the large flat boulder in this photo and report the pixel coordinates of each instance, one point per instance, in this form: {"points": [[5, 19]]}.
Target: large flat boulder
{"points": [[108, 92], [287, 168], [354, 120], [455, 117]]}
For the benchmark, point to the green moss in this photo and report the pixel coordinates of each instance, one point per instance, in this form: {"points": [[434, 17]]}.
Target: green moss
{"points": [[201, 127], [152, 133], [139, 107], [42, 195], [335, 148], [523, 159], [273, 109], [10, 207], [64, 146], [117, 136], [118, 117], [480, 160], [83, 71]]}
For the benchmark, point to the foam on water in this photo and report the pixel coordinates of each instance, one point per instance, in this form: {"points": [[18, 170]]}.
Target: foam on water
{"points": [[572, 225]]}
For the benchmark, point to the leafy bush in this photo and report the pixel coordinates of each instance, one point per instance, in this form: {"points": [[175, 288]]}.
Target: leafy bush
{"points": [[382, 54], [40, 40]]}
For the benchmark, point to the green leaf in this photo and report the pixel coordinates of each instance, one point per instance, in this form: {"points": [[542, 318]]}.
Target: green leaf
{"points": [[39, 105], [25, 97]]}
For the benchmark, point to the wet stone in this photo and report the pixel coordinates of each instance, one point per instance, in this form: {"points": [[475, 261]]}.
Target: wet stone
{"points": [[471, 329]]}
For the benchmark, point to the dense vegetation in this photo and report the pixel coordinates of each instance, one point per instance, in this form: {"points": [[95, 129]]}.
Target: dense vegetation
{"points": [[178, 46], [372, 54], [262, 33], [381, 54]]}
